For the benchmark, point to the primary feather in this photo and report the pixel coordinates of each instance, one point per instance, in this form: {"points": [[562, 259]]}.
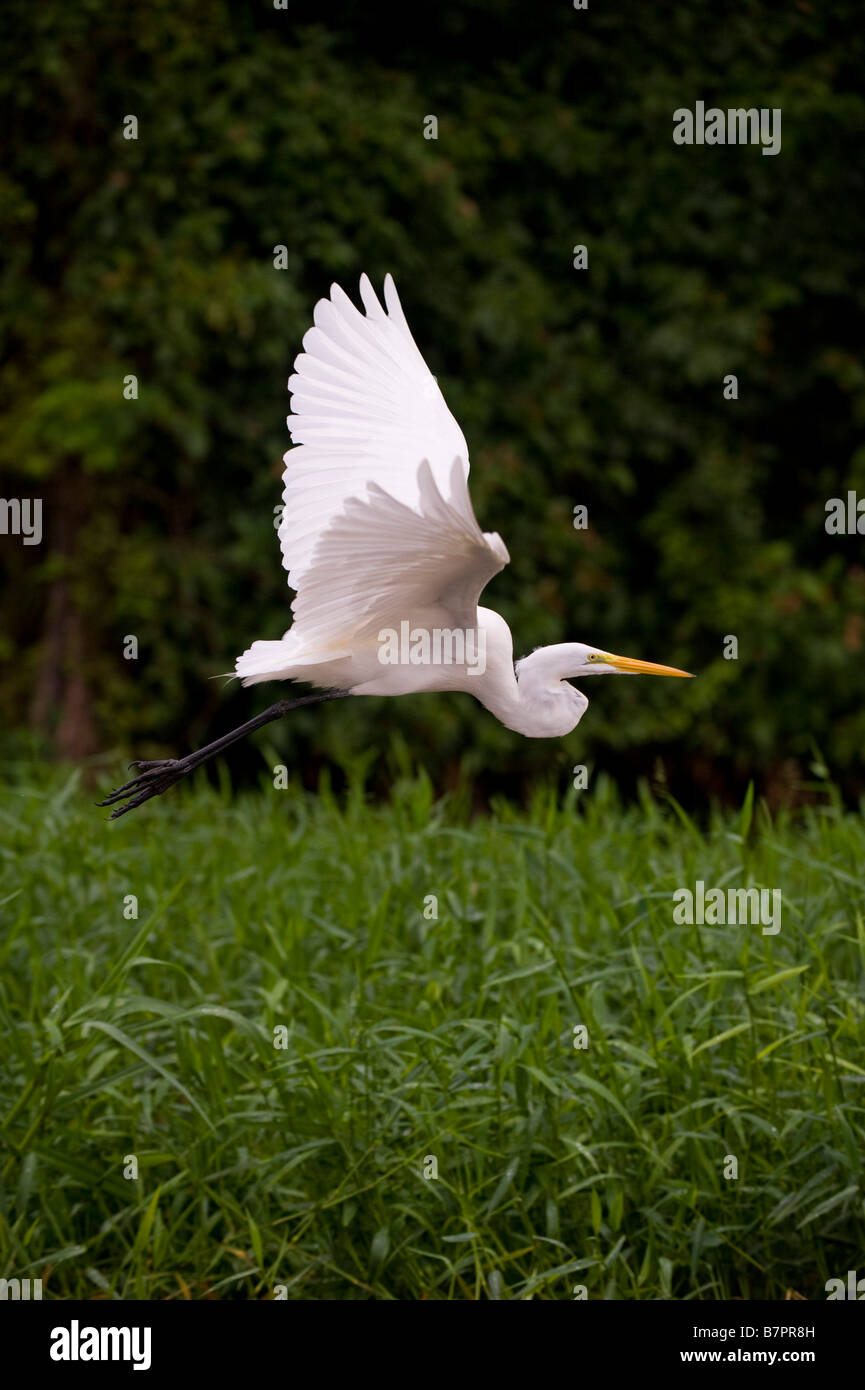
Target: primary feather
{"points": [[377, 524]]}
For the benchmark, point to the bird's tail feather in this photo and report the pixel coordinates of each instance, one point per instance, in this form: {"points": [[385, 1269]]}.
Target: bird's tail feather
{"points": [[272, 661]]}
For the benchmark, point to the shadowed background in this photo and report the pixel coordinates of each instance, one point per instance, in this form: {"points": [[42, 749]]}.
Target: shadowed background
{"points": [[261, 128]]}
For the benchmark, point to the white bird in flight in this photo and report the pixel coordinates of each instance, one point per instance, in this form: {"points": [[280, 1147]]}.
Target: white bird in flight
{"points": [[381, 543]]}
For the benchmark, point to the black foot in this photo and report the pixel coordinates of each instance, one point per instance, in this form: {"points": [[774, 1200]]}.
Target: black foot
{"points": [[154, 779]]}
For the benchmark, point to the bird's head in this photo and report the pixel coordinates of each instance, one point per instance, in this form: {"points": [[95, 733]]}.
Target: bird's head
{"points": [[573, 660]]}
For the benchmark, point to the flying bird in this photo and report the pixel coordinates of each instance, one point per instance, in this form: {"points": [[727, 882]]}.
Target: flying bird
{"points": [[380, 541]]}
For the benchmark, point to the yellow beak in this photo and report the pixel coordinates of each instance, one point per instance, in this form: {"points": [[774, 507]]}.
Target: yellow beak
{"points": [[642, 668]]}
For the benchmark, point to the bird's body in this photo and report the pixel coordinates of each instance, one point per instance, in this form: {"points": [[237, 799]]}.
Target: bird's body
{"points": [[537, 705], [380, 541]]}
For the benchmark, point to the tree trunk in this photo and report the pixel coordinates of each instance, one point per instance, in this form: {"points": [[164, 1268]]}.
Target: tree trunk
{"points": [[62, 704]]}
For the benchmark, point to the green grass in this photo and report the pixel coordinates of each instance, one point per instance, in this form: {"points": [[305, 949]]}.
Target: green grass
{"points": [[407, 1037]]}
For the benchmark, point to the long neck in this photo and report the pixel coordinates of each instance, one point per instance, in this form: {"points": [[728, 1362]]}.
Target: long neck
{"points": [[535, 701]]}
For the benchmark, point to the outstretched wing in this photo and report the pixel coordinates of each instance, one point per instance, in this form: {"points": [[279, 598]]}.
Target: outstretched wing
{"points": [[382, 561], [365, 409]]}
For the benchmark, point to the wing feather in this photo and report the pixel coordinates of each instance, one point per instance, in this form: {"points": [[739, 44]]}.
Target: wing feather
{"points": [[364, 408], [381, 562], [377, 523]]}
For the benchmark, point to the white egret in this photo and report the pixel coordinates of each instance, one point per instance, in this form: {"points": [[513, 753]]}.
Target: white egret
{"points": [[380, 541]]}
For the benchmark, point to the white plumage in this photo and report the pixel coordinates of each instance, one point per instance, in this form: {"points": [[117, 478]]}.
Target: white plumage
{"points": [[378, 529], [377, 521], [379, 538], [365, 408]]}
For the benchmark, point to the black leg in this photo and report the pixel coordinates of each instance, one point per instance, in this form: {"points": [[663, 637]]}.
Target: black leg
{"points": [[156, 777]]}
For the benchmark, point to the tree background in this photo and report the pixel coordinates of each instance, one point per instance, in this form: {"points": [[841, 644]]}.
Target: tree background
{"points": [[261, 127]]}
